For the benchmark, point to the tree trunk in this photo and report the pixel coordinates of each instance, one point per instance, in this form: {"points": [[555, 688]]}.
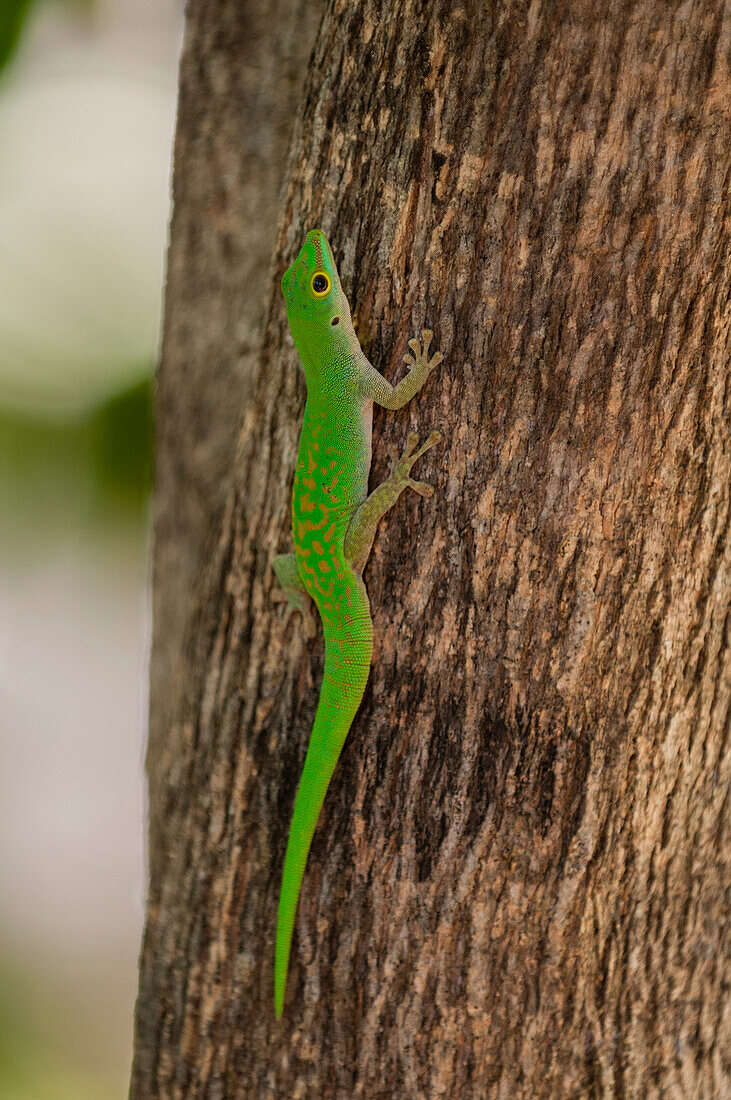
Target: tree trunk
{"points": [[516, 888], [241, 78]]}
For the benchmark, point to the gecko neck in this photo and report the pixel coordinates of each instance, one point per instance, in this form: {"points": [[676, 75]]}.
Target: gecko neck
{"points": [[321, 347]]}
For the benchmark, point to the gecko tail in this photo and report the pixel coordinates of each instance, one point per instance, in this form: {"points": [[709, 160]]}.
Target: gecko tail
{"points": [[347, 664]]}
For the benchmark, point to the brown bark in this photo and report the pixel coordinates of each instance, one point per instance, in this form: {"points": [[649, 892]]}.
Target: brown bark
{"points": [[241, 76], [517, 884]]}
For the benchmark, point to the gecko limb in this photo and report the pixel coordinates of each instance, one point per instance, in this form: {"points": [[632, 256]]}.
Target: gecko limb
{"points": [[293, 590], [362, 530], [378, 389]]}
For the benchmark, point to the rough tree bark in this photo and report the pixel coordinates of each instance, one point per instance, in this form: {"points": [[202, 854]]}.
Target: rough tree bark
{"points": [[517, 885], [241, 77]]}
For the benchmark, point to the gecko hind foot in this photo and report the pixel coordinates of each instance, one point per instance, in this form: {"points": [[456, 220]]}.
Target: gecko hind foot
{"points": [[423, 488], [402, 465], [292, 592], [411, 454], [292, 607]]}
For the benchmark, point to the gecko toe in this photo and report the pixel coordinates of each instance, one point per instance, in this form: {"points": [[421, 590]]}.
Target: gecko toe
{"points": [[423, 488], [309, 625]]}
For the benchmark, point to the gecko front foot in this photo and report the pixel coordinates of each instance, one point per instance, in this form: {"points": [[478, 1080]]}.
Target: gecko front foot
{"points": [[420, 361], [402, 466]]}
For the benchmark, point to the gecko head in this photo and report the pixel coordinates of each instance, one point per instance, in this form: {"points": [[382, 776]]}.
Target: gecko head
{"points": [[311, 286]]}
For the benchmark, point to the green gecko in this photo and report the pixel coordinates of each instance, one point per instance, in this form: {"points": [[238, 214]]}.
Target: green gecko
{"points": [[334, 524]]}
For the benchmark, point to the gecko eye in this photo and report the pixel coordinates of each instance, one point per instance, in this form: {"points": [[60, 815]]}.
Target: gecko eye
{"points": [[320, 284]]}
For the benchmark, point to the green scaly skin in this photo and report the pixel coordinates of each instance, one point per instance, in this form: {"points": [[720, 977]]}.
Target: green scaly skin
{"points": [[334, 524]]}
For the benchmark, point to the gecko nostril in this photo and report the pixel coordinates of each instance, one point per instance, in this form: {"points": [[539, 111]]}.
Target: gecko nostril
{"points": [[335, 321]]}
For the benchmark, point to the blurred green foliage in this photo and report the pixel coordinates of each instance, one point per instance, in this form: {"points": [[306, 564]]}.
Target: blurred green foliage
{"points": [[56, 475], [60, 473], [120, 440], [13, 14], [36, 1059]]}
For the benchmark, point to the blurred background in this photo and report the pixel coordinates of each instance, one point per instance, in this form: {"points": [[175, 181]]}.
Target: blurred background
{"points": [[87, 104]]}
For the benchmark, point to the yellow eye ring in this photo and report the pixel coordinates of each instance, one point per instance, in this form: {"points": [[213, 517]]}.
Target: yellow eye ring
{"points": [[320, 284]]}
